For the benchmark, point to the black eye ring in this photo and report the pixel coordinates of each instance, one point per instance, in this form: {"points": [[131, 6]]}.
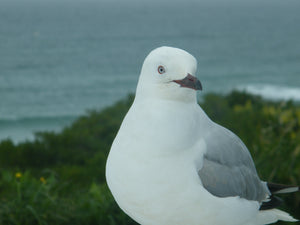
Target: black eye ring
{"points": [[161, 69]]}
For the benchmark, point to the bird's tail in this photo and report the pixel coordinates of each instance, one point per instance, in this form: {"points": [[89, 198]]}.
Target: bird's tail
{"points": [[274, 201], [281, 188], [268, 212], [271, 216]]}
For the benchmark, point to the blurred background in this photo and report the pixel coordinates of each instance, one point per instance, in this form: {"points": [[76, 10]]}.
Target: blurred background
{"points": [[68, 72], [60, 58]]}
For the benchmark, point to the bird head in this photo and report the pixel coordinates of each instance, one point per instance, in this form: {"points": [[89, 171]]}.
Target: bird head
{"points": [[169, 73]]}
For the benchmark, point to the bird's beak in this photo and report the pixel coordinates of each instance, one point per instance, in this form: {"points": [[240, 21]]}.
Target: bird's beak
{"points": [[190, 82]]}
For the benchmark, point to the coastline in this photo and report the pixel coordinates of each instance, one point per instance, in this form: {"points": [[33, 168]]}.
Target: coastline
{"points": [[23, 129]]}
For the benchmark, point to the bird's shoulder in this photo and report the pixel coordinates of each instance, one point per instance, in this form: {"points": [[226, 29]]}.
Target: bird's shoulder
{"points": [[226, 148]]}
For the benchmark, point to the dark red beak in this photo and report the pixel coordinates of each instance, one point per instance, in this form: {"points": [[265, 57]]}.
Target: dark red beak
{"points": [[190, 82]]}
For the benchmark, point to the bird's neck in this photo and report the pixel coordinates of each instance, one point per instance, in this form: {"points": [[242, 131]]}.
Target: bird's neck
{"points": [[162, 109], [188, 98], [163, 104]]}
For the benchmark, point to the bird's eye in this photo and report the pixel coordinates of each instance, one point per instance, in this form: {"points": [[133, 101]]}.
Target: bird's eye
{"points": [[161, 69]]}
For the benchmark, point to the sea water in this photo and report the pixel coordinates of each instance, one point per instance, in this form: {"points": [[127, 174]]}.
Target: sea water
{"points": [[61, 58]]}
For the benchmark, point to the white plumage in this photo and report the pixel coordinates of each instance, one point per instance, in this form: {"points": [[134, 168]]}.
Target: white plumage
{"points": [[171, 165]]}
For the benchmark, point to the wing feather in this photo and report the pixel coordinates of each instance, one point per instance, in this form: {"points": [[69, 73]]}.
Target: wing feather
{"points": [[228, 168]]}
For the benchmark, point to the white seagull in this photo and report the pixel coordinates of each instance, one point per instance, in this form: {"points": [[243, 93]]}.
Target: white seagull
{"points": [[171, 165]]}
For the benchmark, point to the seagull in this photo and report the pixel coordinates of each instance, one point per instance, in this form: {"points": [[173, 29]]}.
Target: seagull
{"points": [[171, 165]]}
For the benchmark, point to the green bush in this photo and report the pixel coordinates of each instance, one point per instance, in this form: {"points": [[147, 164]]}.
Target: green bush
{"points": [[40, 201], [59, 177]]}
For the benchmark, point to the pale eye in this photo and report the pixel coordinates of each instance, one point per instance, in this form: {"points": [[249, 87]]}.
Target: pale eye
{"points": [[161, 69]]}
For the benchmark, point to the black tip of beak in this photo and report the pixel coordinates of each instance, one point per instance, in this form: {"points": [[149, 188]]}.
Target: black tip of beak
{"points": [[198, 85], [190, 82]]}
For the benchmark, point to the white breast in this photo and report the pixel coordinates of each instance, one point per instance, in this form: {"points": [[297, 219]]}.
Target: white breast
{"points": [[153, 175]]}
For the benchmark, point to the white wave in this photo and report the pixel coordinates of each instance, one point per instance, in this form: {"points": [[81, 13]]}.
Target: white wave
{"points": [[273, 92]]}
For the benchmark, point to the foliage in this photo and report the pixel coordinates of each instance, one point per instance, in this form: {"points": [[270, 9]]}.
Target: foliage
{"points": [[41, 201], [59, 177]]}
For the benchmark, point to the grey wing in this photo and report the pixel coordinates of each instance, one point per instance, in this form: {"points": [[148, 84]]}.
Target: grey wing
{"points": [[228, 168]]}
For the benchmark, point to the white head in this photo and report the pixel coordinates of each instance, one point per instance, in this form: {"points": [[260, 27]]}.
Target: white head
{"points": [[167, 73]]}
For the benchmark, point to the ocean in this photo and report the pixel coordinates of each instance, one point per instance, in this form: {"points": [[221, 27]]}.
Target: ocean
{"points": [[59, 59]]}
